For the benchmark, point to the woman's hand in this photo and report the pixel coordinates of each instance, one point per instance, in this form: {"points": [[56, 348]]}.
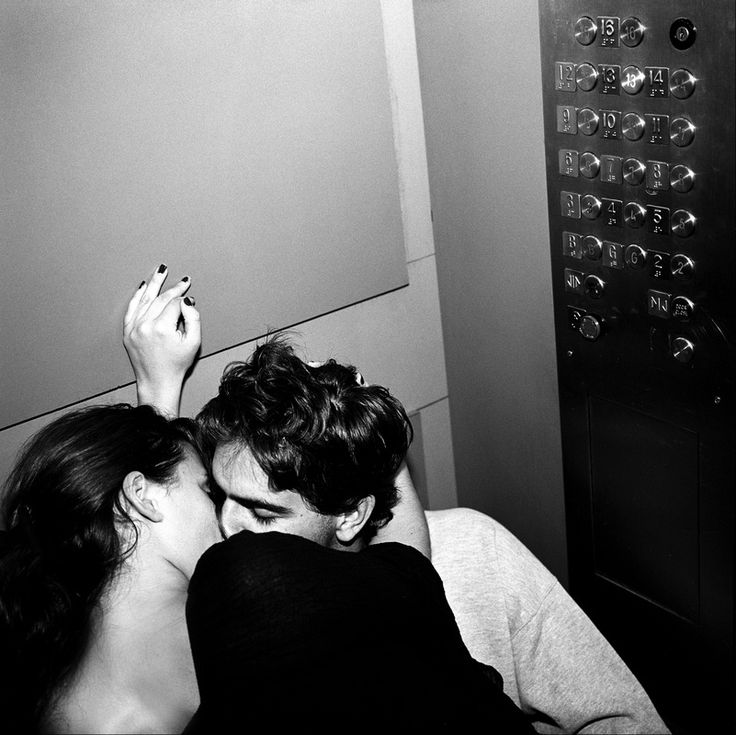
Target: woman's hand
{"points": [[162, 334]]}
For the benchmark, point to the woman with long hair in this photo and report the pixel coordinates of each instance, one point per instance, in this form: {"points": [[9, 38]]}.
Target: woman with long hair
{"points": [[106, 515]]}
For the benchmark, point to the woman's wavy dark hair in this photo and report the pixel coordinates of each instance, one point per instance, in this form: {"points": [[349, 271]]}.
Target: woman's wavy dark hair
{"points": [[63, 544], [316, 430]]}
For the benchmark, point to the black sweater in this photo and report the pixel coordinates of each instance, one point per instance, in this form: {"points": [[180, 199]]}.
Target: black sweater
{"points": [[288, 634]]}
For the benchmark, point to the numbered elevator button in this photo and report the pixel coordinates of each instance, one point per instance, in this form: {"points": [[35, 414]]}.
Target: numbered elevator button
{"points": [[634, 214], [592, 247], [632, 79], [590, 165], [682, 267], [587, 121], [590, 327], [682, 349], [632, 126], [632, 32], [585, 30], [682, 223], [590, 206], [682, 178], [586, 76], [682, 132], [594, 287], [635, 257], [682, 84], [633, 171]]}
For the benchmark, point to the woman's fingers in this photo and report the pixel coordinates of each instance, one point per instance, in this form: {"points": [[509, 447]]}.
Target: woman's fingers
{"points": [[133, 306], [192, 323], [148, 302]]}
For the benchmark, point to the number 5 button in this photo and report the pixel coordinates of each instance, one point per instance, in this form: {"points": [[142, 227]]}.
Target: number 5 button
{"points": [[683, 223]]}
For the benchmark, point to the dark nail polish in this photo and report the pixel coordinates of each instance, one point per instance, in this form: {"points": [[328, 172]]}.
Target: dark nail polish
{"points": [[185, 279], [189, 301], [143, 283], [162, 268]]}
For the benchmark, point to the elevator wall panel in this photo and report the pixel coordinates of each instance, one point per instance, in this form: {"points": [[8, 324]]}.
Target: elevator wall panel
{"points": [[248, 145]]}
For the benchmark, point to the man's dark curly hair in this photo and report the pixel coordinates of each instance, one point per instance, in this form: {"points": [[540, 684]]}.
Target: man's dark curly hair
{"points": [[315, 430]]}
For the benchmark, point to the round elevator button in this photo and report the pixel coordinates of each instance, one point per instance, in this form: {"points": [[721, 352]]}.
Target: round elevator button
{"points": [[682, 349], [585, 30], [589, 165], [592, 247], [590, 327], [682, 223], [634, 214], [683, 33], [632, 31], [682, 266], [590, 206], [682, 178], [594, 286], [682, 84], [633, 171], [682, 132], [632, 79], [586, 76], [587, 121], [632, 126], [635, 257], [682, 308]]}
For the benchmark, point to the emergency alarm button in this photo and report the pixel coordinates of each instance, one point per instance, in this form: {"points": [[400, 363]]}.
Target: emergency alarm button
{"points": [[590, 327]]}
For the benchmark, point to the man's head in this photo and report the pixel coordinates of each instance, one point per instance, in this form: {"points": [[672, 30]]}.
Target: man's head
{"points": [[303, 449]]}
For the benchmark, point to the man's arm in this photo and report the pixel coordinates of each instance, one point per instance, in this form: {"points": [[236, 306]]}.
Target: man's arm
{"points": [[162, 335], [514, 615], [409, 524]]}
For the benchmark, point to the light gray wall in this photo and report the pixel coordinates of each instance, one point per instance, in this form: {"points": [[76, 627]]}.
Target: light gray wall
{"points": [[395, 339], [247, 144], [481, 93]]}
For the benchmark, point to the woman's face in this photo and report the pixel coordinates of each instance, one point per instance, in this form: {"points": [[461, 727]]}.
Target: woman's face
{"points": [[190, 513]]}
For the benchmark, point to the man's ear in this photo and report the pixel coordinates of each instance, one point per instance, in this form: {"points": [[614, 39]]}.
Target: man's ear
{"points": [[349, 525], [142, 495]]}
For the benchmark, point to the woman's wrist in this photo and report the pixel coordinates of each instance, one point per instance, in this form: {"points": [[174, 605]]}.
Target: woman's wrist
{"points": [[164, 396]]}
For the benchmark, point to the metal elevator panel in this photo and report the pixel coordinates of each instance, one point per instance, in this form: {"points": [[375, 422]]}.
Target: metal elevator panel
{"points": [[639, 137]]}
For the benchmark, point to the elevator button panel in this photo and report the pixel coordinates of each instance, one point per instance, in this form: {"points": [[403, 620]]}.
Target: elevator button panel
{"points": [[631, 137], [640, 147]]}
